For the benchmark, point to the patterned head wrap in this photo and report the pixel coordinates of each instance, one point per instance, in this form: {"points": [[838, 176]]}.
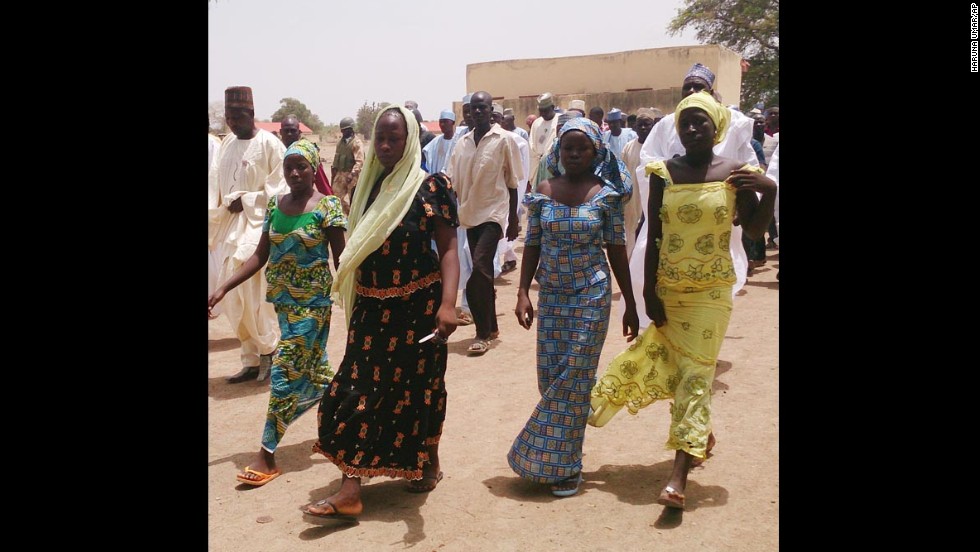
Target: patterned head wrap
{"points": [[701, 72], [307, 149], [612, 171], [702, 100]]}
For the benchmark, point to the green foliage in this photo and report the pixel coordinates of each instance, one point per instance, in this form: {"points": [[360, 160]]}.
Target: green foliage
{"points": [[364, 122], [292, 106], [749, 27]]}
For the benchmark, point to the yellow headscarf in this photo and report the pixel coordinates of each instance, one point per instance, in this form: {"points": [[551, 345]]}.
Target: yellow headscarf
{"points": [[702, 100], [366, 231]]}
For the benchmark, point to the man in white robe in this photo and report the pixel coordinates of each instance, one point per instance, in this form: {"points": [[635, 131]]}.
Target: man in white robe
{"points": [[505, 246], [617, 136], [663, 143], [646, 118], [249, 173], [773, 173], [437, 151], [214, 143], [542, 131]]}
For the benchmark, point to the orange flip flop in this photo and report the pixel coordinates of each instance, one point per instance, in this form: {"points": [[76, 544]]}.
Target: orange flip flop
{"points": [[263, 477]]}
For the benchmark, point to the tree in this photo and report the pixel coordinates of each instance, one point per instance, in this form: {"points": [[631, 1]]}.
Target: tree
{"points": [[364, 122], [292, 106], [749, 27], [216, 117]]}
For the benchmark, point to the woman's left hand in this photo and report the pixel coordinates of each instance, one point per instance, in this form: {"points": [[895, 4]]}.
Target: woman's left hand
{"points": [[446, 321], [631, 324], [743, 179]]}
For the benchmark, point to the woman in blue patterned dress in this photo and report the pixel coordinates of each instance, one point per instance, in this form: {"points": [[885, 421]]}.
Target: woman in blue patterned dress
{"points": [[298, 227], [570, 218]]}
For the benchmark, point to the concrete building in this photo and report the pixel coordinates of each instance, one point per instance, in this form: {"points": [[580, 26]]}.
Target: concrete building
{"points": [[627, 80]]}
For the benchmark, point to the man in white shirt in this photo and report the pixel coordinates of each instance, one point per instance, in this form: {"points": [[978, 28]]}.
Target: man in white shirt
{"points": [[485, 168]]}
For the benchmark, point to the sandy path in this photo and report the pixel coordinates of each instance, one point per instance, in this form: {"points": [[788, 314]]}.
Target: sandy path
{"points": [[481, 504]]}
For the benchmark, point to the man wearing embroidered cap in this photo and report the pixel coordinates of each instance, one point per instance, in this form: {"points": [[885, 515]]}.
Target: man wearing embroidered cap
{"points": [[542, 131], [577, 105], [615, 138], [347, 163], [248, 173]]}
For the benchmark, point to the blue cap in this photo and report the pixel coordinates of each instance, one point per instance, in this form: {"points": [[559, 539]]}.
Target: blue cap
{"points": [[466, 99], [699, 71], [447, 114], [614, 115]]}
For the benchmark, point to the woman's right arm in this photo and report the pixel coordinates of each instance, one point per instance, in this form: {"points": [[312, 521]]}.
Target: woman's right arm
{"points": [[246, 271], [655, 232], [529, 264]]}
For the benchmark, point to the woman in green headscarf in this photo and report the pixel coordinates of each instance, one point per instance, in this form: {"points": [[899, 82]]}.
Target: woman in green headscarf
{"points": [[689, 296], [383, 412], [297, 230]]}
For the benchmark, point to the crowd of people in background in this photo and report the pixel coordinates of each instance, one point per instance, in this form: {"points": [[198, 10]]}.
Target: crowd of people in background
{"points": [[673, 202]]}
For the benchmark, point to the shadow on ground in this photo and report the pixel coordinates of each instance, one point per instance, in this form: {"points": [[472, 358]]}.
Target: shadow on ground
{"points": [[634, 484], [220, 389], [289, 459], [385, 502]]}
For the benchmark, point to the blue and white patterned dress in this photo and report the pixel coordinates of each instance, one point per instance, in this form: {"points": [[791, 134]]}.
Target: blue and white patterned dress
{"points": [[573, 317]]}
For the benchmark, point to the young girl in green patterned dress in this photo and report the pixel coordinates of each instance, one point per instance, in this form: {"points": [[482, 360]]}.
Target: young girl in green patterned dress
{"points": [[295, 236]]}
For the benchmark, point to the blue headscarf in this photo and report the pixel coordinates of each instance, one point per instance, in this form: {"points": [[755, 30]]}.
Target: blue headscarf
{"points": [[612, 171]]}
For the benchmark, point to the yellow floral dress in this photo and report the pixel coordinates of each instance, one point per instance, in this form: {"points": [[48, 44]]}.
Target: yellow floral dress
{"points": [[694, 280]]}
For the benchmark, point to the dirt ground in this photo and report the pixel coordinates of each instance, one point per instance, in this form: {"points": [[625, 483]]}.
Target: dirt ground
{"points": [[732, 501]]}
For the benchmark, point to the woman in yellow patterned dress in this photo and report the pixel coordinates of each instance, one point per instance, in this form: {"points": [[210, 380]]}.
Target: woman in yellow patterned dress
{"points": [[689, 299]]}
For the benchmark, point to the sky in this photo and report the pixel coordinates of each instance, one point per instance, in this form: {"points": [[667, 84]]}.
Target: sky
{"points": [[335, 55]]}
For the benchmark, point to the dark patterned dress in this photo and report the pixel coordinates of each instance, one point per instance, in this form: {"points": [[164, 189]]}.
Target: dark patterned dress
{"points": [[387, 402]]}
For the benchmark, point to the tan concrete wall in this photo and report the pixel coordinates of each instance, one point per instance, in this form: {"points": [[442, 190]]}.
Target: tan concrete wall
{"points": [[577, 76]]}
